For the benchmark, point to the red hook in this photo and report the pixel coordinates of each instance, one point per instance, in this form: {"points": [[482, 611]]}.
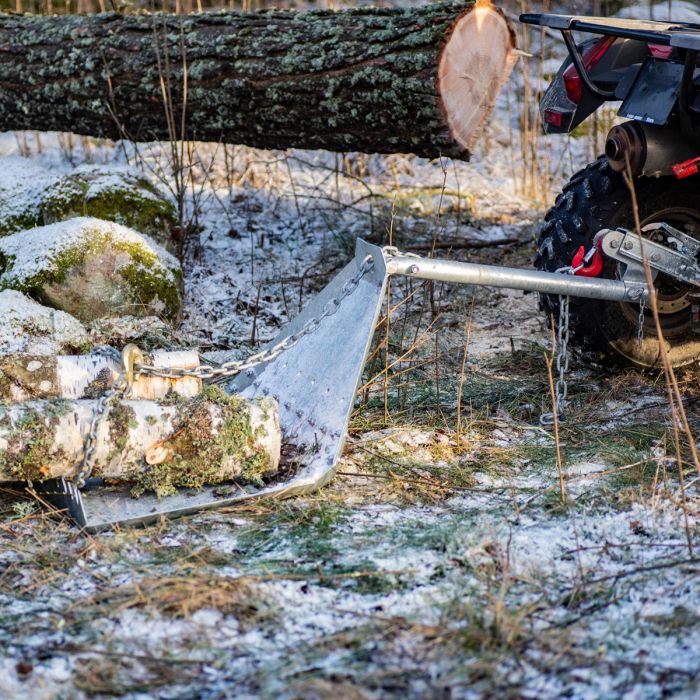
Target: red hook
{"points": [[594, 269]]}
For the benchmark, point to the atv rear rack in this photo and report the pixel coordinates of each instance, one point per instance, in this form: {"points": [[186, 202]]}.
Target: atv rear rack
{"points": [[679, 35], [682, 35]]}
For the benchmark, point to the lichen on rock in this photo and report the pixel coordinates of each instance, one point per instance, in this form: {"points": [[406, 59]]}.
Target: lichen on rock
{"points": [[92, 269], [31, 195], [120, 196]]}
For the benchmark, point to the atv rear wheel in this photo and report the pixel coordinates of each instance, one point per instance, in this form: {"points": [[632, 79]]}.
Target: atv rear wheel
{"points": [[596, 198]]}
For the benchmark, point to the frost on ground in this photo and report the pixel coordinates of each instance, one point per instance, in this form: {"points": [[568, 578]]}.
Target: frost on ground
{"points": [[447, 559]]}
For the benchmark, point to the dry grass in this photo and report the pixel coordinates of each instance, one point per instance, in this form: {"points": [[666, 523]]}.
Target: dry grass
{"points": [[181, 596]]}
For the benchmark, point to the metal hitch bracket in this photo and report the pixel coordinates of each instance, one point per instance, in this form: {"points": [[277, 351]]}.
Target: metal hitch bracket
{"points": [[680, 263]]}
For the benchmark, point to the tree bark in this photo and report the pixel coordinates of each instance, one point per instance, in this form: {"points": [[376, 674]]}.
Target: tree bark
{"points": [[413, 80]]}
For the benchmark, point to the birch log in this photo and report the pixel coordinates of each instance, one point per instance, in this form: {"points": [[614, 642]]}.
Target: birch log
{"points": [[159, 446], [28, 377], [386, 80]]}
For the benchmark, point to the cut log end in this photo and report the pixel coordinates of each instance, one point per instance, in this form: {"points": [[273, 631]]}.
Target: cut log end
{"points": [[473, 65]]}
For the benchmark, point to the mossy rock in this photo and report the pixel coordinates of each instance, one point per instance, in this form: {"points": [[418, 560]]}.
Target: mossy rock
{"points": [[92, 269], [31, 195], [22, 186], [121, 196]]}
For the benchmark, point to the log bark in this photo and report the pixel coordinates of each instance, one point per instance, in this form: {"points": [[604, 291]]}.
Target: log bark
{"points": [[412, 80], [159, 446]]}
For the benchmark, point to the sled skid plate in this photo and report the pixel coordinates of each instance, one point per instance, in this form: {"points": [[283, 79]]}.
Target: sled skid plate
{"points": [[314, 382]]}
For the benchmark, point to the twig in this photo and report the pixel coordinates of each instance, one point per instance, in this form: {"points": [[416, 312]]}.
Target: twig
{"points": [[467, 244]]}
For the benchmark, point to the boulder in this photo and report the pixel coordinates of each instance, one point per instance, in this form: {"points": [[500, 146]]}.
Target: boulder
{"points": [[22, 186], [91, 269], [31, 195], [120, 196], [31, 337], [29, 328]]}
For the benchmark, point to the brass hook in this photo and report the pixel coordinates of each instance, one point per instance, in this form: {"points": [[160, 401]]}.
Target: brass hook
{"points": [[131, 356]]}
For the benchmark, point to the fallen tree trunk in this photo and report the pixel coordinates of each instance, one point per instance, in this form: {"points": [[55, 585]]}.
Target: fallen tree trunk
{"points": [[210, 439], [413, 80]]}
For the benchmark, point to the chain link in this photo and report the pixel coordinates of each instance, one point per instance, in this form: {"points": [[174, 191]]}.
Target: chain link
{"points": [[561, 388], [101, 411], [640, 322]]}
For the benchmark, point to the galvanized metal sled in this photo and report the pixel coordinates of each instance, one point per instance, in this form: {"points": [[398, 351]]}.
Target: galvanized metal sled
{"points": [[314, 381], [316, 378]]}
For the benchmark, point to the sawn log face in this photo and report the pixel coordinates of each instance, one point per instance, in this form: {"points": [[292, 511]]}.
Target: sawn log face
{"points": [[357, 80]]}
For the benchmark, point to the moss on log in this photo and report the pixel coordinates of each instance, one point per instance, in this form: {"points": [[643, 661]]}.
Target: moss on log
{"points": [[419, 80], [158, 446]]}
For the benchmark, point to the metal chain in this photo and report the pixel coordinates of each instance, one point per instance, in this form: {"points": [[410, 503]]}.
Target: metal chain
{"points": [[640, 322], [87, 463], [229, 369], [561, 388]]}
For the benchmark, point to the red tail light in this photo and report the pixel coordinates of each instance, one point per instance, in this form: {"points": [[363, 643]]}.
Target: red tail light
{"points": [[572, 81], [659, 51]]}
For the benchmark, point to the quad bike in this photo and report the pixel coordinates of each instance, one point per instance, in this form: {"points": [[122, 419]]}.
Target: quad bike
{"points": [[653, 69], [593, 268]]}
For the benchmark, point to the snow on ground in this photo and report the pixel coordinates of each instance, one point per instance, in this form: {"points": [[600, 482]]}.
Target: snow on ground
{"points": [[445, 560]]}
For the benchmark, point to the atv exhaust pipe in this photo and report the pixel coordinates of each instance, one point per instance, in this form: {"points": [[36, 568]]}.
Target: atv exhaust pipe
{"points": [[651, 150]]}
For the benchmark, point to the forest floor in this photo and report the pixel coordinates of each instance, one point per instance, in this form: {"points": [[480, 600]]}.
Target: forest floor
{"points": [[447, 559]]}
